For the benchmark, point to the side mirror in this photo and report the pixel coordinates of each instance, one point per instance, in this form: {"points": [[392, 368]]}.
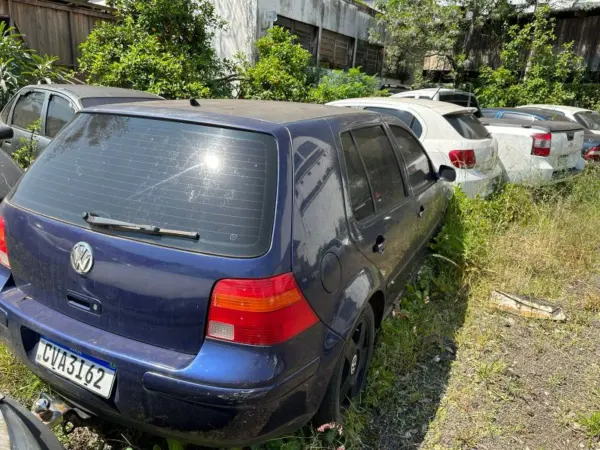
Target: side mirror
{"points": [[447, 173], [6, 132]]}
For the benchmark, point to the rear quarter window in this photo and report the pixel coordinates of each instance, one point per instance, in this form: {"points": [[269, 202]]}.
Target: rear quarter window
{"points": [[468, 126], [215, 181]]}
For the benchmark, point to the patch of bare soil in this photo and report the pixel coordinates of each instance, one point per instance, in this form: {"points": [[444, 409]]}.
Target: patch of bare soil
{"points": [[522, 383]]}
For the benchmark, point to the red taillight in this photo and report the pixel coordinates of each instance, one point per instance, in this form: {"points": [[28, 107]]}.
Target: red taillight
{"points": [[592, 154], [541, 144], [463, 159], [3, 249], [258, 312]]}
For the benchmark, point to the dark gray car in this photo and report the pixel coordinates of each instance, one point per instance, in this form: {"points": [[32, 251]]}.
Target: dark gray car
{"points": [[52, 106]]}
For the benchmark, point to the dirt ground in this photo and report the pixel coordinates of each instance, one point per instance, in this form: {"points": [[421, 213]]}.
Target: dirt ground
{"points": [[522, 383]]}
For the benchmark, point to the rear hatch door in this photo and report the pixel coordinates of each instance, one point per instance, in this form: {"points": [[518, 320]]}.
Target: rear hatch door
{"points": [[566, 144], [219, 182], [475, 137]]}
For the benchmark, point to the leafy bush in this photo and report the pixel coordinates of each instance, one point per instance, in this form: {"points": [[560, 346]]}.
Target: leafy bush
{"points": [[340, 84], [533, 69], [20, 66], [159, 46], [29, 149], [281, 72]]}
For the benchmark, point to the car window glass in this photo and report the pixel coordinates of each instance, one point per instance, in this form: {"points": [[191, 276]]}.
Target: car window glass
{"points": [[382, 166], [28, 109], [360, 194], [217, 181], [459, 99], [60, 111], [468, 126], [589, 119], [416, 127], [6, 110], [417, 163], [510, 115], [489, 114]]}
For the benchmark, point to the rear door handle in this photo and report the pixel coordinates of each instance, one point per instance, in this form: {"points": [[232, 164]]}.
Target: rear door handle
{"points": [[379, 246], [421, 212]]}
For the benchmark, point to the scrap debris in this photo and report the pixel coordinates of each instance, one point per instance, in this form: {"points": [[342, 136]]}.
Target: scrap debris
{"points": [[527, 307]]}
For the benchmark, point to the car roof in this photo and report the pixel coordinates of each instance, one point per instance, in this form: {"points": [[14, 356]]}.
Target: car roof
{"points": [[573, 109], [428, 91], [263, 110], [442, 108], [533, 111], [88, 91]]}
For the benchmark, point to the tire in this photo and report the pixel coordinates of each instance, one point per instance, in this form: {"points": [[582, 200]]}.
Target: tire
{"points": [[358, 348]]}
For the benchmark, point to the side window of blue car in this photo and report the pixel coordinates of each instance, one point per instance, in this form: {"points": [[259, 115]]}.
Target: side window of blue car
{"points": [[381, 165], [360, 191]]}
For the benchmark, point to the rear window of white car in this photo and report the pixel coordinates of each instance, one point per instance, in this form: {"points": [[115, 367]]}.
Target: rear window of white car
{"points": [[589, 119], [468, 126], [215, 181]]}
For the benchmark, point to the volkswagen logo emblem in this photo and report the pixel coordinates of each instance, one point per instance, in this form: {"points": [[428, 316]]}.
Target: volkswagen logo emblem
{"points": [[82, 258]]}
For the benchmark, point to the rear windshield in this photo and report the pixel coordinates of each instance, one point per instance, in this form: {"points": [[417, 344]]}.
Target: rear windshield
{"points": [[590, 120], [97, 101], [215, 181], [468, 126]]}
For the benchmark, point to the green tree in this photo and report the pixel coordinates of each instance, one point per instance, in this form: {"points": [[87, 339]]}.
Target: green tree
{"points": [[282, 70], [159, 46], [447, 30], [20, 66], [340, 84], [533, 69]]}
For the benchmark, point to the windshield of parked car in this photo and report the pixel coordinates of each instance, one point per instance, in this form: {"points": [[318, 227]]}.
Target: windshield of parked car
{"points": [[589, 119], [218, 182], [468, 126]]}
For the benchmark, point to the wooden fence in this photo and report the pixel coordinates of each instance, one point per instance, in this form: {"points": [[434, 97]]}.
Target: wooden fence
{"points": [[54, 27]]}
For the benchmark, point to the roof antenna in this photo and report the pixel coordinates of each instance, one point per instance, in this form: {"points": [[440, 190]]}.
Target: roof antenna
{"points": [[194, 102], [436, 92]]}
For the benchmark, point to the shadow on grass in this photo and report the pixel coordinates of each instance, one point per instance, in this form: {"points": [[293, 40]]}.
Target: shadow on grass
{"points": [[416, 346]]}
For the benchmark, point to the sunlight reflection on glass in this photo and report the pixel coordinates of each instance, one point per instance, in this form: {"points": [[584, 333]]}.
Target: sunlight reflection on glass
{"points": [[211, 161]]}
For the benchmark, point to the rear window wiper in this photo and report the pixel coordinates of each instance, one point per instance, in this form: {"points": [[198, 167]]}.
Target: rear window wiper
{"points": [[111, 224]]}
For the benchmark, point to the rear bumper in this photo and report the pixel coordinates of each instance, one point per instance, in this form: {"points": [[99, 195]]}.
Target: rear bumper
{"points": [[538, 172], [474, 182], [226, 395]]}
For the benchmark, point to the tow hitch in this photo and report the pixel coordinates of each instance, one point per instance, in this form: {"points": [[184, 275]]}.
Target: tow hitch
{"points": [[54, 412]]}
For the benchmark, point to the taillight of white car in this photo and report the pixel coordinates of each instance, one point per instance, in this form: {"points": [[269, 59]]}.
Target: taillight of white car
{"points": [[592, 154], [463, 159], [541, 144]]}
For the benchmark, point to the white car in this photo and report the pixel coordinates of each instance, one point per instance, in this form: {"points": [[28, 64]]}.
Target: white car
{"points": [[451, 135], [456, 96], [537, 153], [585, 117]]}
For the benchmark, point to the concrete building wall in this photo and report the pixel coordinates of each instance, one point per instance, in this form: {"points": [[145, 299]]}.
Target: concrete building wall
{"points": [[246, 19], [242, 27]]}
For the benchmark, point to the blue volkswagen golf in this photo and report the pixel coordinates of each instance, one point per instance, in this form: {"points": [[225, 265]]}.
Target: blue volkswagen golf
{"points": [[213, 272]]}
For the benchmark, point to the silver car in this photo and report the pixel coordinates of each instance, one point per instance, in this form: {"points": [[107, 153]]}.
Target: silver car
{"points": [[52, 107]]}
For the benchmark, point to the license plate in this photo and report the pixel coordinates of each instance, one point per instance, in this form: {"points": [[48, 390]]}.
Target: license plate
{"points": [[91, 373]]}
